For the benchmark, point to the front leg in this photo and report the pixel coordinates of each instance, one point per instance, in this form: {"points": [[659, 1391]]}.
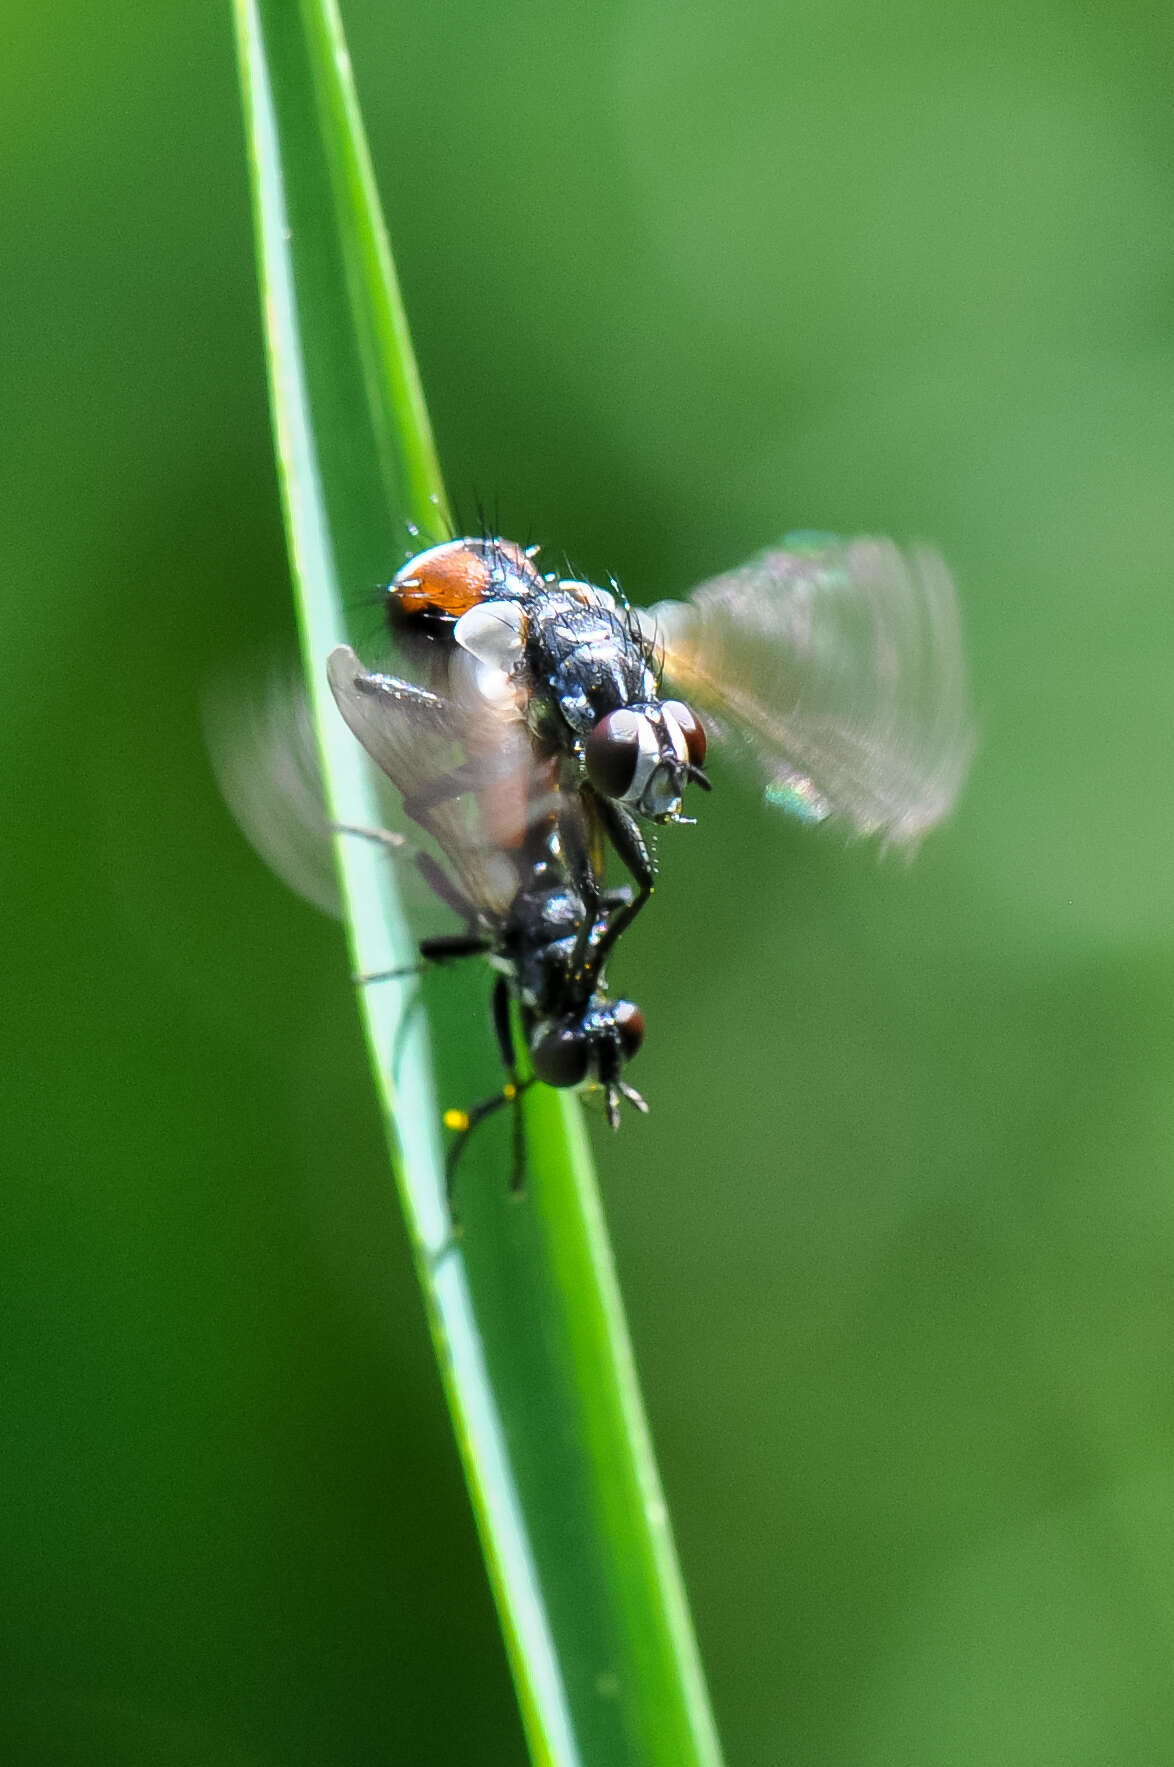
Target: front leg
{"points": [[464, 1122], [573, 813], [624, 833]]}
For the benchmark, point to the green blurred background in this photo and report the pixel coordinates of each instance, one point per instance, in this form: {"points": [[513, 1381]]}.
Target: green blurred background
{"points": [[898, 1240]]}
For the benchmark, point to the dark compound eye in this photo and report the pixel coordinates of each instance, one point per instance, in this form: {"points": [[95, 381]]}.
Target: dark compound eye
{"points": [[691, 729], [613, 752], [630, 1026], [560, 1058]]}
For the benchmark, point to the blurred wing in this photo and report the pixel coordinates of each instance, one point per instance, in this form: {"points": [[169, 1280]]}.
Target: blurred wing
{"points": [[264, 754], [444, 767], [840, 664]]}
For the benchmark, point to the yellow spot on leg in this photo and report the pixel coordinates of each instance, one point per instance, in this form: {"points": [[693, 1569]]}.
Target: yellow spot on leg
{"points": [[456, 1120]]}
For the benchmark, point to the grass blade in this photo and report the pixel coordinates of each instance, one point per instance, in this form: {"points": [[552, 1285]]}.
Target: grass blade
{"points": [[524, 1308]]}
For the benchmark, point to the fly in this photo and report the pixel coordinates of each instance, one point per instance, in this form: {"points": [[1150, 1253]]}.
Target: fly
{"points": [[508, 881], [833, 667], [568, 663], [558, 717]]}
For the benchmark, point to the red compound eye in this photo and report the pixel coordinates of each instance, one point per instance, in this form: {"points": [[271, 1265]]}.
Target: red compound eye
{"points": [[630, 1025], [691, 729], [612, 753]]}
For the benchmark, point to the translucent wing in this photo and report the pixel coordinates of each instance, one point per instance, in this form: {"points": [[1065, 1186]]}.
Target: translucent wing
{"points": [[840, 665], [264, 753], [463, 774]]}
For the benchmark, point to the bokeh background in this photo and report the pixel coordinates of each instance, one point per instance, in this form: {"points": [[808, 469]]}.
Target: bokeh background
{"points": [[898, 1240]]}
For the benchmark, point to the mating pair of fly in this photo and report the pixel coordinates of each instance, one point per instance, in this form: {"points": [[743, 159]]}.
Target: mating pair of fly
{"points": [[548, 720]]}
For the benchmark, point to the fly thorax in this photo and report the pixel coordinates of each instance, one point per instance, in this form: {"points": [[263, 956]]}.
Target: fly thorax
{"points": [[583, 652]]}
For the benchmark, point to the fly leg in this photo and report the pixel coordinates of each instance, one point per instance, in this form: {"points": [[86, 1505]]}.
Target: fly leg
{"points": [[438, 950], [583, 809], [448, 946], [444, 949], [466, 1121], [581, 865], [504, 1032], [613, 899], [434, 875], [511, 1093], [624, 832]]}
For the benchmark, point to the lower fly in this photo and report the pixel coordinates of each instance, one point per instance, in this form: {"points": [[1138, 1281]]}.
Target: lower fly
{"points": [[517, 897]]}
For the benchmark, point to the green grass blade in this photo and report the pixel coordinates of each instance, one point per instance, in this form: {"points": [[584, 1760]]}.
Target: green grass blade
{"points": [[523, 1307]]}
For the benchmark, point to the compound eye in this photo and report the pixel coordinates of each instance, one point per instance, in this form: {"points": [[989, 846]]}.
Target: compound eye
{"points": [[560, 1058], [630, 1026], [691, 728], [615, 753]]}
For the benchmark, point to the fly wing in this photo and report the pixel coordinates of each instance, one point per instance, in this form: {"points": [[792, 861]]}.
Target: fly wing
{"points": [[422, 742], [840, 665], [264, 753]]}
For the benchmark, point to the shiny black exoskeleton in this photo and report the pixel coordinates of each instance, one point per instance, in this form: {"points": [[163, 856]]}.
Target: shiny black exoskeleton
{"points": [[571, 663], [518, 902], [575, 1032]]}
